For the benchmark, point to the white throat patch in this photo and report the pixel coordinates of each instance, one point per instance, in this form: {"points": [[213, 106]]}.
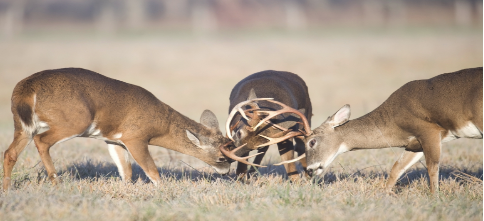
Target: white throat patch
{"points": [[342, 148]]}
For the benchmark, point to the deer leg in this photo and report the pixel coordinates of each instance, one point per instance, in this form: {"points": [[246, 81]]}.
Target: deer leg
{"points": [[406, 160], [141, 154], [286, 150], [301, 149], [257, 160], [241, 169], [432, 149], [43, 142], [121, 158], [20, 141]]}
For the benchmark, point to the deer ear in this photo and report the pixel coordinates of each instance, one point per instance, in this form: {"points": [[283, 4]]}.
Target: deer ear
{"points": [[208, 119], [252, 94], [340, 117], [193, 139]]}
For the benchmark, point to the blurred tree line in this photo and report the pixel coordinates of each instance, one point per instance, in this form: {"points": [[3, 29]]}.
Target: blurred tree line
{"points": [[209, 15]]}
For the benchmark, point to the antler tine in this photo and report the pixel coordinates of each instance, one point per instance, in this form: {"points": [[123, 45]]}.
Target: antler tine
{"points": [[291, 161], [238, 108], [279, 139], [235, 125], [251, 115], [277, 126], [285, 109], [232, 155]]}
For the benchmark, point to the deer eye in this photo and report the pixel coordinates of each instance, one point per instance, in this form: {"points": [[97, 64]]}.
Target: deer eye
{"points": [[238, 134], [312, 143]]}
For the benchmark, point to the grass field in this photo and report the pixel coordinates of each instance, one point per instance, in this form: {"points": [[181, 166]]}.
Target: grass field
{"points": [[193, 73]]}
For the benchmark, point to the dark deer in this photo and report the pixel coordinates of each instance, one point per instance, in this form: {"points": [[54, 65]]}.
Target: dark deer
{"points": [[250, 132], [53, 106]]}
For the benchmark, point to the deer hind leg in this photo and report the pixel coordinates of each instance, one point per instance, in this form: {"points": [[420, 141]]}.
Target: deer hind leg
{"points": [[44, 142], [406, 160], [301, 149], [257, 160], [141, 154], [432, 148], [121, 159], [20, 141], [286, 150]]}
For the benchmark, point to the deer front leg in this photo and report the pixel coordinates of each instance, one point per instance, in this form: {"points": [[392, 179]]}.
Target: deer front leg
{"points": [[406, 160], [286, 150], [257, 160], [121, 159], [241, 169], [139, 151]]}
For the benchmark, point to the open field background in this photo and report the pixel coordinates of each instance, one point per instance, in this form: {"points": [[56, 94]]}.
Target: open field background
{"points": [[193, 73]]}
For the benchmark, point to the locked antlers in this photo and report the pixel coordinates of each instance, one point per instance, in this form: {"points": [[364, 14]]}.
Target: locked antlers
{"points": [[270, 114], [238, 108], [231, 154], [286, 109]]}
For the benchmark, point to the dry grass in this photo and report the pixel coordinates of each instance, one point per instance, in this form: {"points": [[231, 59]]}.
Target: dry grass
{"points": [[192, 74], [91, 190]]}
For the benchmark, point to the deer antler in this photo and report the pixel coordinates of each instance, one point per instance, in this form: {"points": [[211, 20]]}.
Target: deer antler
{"points": [[285, 109], [279, 139], [232, 155], [238, 108], [256, 117], [290, 161]]}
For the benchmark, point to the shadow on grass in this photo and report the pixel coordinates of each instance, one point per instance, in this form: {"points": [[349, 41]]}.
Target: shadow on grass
{"points": [[466, 175], [90, 169]]}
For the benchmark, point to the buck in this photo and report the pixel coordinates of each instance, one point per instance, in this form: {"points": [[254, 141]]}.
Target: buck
{"points": [[53, 106], [418, 117], [250, 133]]}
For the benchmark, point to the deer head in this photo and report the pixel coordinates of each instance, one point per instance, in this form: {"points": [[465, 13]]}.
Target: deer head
{"points": [[209, 143], [324, 145]]}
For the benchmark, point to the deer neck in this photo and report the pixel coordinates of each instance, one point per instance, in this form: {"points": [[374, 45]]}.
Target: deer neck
{"points": [[374, 130], [171, 132]]}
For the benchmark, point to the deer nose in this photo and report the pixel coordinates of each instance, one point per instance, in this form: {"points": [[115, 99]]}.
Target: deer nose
{"points": [[310, 172]]}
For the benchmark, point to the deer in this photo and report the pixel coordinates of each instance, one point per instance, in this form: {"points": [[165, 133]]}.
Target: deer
{"points": [[53, 106], [252, 134], [418, 117]]}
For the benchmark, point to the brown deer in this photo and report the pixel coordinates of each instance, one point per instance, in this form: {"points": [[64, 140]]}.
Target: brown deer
{"points": [[53, 106], [418, 117], [285, 87]]}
